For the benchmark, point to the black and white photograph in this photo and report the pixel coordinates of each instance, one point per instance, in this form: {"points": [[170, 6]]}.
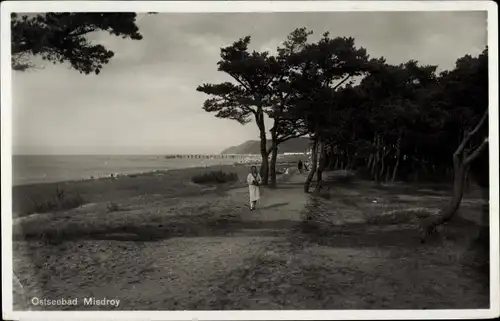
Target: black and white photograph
{"points": [[245, 157]]}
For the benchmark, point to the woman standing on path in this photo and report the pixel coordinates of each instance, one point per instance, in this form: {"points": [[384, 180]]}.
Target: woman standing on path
{"points": [[254, 180]]}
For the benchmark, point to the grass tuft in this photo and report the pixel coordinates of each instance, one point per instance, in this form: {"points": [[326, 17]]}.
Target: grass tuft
{"points": [[217, 177]]}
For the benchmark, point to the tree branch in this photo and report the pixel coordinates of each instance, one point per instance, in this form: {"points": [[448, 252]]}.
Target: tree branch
{"points": [[477, 152], [469, 135], [340, 83], [288, 137], [240, 82]]}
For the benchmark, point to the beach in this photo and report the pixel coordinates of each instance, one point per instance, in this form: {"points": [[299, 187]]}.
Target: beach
{"points": [[169, 183], [149, 177]]}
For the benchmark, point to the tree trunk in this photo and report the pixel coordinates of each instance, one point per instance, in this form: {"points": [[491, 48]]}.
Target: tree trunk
{"points": [[387, 173], [398, 156], [321, 166], [274, 157], [375, 167], [331, 161], [449, 211], [382, 168], [350, 162], [314, 165], [264, 167], [369, 164]]}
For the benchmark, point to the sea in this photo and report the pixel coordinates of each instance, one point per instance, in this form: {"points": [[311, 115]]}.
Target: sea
{"points": [[33, 169]]}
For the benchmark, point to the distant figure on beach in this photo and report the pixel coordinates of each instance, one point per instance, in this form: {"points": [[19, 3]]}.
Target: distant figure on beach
{"points": [[300, 165], [254, 180]]}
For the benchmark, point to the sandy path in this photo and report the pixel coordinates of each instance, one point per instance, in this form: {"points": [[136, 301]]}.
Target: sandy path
{"points": [[284, 203]]}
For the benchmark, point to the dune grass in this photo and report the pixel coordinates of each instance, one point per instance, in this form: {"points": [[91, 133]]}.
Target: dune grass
{"points": [[217, 177]]}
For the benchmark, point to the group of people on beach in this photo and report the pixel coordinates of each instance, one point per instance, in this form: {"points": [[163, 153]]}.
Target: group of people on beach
{"points": [[254, 180]]}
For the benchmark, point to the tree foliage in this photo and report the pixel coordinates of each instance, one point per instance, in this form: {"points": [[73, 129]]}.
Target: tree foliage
{"points": [[62, 37]]}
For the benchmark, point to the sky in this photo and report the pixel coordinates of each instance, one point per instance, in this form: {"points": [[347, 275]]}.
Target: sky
{"points": [[145, 100]]}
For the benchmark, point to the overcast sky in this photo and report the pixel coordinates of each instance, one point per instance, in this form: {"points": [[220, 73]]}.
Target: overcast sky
{"points": [[145, 99]]}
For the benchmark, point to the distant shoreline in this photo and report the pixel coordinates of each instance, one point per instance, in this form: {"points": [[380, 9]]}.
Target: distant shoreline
{"points": [[127, 175], [60, 169], [46, 169]]}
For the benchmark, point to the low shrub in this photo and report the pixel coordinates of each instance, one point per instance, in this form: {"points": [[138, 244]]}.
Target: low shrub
{"points": [[218, 177]]}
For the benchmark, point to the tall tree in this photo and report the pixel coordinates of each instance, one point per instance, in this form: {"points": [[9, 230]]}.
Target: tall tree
{"points": [[62, 37], [325, 66], [249, 96], [285, 126]]}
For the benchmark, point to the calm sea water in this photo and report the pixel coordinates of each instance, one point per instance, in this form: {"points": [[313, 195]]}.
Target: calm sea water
{"points": [[56, 168]]}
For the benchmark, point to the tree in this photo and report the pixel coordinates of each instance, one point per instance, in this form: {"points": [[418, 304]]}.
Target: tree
{"points": [[324, 67], [465, 91], [61, 37], [285, 126], [249, 96]]}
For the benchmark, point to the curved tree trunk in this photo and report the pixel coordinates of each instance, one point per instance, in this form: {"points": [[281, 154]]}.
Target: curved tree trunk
{"points": [[449, 211], [461, 165], [314, 165]]}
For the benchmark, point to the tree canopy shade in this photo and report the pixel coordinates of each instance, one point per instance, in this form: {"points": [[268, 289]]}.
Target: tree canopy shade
{"points": [[61, 37]]}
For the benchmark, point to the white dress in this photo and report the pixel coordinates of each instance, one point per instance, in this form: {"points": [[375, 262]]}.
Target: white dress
{"points": [[254, 190]]}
